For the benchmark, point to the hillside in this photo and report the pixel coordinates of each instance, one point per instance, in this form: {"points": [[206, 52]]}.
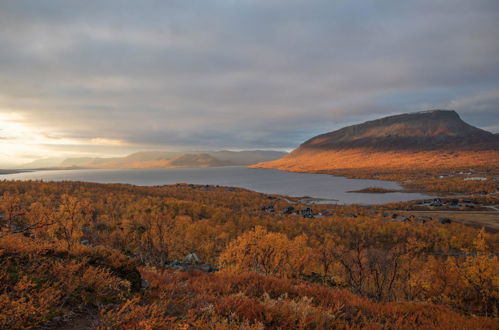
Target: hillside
{"points": [[421, 140], [77, 255], [197, 160], [428, 130], [163, 159]]}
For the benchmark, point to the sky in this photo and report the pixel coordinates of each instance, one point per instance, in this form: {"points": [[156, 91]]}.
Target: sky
{"points": [[106, 78]]}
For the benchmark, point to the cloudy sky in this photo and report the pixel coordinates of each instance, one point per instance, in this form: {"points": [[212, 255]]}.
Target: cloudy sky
{"points": [[110, 77]]}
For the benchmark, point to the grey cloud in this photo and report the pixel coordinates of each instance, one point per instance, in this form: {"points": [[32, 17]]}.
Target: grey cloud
{"points": [[242, 74]]}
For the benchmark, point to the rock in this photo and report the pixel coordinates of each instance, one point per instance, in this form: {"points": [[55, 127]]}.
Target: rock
{"points": [[402, 218], [207, 268], [178, 267], [192, 258], [85, 242], [186, 266], [445, 220], [423, 219], [144, 284]]}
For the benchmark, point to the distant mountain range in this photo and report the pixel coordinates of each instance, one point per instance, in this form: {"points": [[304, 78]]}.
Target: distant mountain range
{"points": [[414, 140], [162, 159]]}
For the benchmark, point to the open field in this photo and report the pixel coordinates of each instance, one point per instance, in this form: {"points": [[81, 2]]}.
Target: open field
{"points": [[487, 219]]}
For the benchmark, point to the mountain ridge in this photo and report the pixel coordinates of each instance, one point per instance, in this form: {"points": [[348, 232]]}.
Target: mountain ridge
{"points": [[425, 130], [165, 159], [425, 139]]}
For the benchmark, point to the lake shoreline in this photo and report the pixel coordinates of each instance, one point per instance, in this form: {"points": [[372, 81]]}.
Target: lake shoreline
{"points": [[316, 186]]}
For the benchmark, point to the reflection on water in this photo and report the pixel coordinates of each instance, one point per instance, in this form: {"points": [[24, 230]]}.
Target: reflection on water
{"points": [[261, 180]]}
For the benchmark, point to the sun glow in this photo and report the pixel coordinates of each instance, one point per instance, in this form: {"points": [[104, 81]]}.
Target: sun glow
{"points": [[21, 143], [18, 142]]}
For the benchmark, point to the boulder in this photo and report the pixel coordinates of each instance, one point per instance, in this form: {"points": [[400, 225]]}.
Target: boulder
{"points": [[192, 258], [445, 221]]}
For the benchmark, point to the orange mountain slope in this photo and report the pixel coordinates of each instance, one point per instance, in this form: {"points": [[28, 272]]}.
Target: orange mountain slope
{"points": [[422, 140]]}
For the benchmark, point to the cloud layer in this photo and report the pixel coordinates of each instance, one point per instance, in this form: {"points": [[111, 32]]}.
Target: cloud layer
{"points": [[238, 74]]}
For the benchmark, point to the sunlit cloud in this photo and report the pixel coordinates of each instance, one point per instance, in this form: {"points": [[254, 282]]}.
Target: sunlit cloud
{"points": [[112, 77], [108, 142], [21, 142]]}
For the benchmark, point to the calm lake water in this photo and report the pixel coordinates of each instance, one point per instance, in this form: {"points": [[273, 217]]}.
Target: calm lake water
{"points": [[261, 180]]}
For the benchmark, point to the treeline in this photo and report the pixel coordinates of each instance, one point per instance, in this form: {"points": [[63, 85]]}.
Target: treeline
{"points": [[449, 265]]}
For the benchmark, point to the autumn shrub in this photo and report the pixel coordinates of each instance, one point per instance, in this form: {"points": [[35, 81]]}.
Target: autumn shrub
{"points": [[469, 282], [266, 260], [135, 315], [42, 281], [265, 252], [253, 301]]}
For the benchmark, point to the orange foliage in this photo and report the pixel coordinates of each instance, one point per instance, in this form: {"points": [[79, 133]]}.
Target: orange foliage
{"points": [[40, 280], [251, 301], [314, 160], [414, 170], [265, 252], [277, 270]]}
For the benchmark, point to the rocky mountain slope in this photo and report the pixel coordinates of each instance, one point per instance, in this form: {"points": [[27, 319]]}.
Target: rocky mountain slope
{"points": [[414, 140], [428, 130]]}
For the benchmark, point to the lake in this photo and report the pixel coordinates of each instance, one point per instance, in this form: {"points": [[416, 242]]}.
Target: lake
{"points": [[268, 181]]}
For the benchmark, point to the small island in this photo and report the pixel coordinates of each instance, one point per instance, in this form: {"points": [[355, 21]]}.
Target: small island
{"points": [[373, 190]]}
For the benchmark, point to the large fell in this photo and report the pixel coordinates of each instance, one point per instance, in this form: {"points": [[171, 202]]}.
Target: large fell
{"points": [[419, 140]]}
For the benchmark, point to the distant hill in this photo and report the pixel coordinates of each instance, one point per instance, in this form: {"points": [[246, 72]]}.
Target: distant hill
{"points": [[163, 159], [198, 160], [416, 140]]}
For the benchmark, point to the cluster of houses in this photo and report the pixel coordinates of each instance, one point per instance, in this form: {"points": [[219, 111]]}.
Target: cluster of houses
{"points": [[447, 203], [305, 212], [394, 217], [470, 175]]}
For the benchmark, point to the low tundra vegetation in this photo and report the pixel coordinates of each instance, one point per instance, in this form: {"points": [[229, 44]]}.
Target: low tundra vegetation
{"points": [[73, 249]]}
